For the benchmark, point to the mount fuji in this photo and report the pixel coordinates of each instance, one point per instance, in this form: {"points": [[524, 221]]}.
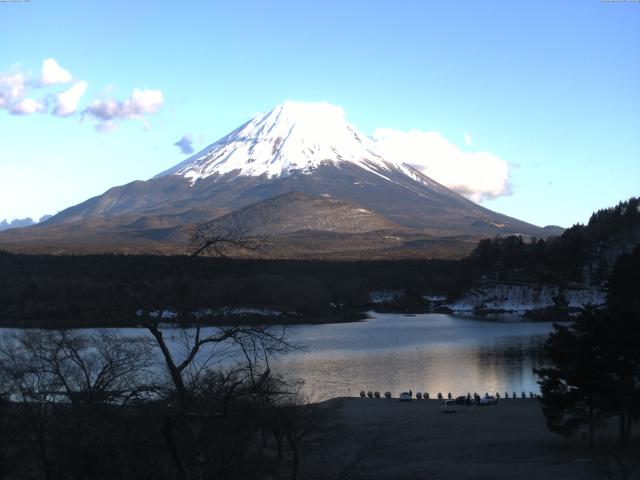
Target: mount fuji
{"points": [[295, 174], [292, 138]]}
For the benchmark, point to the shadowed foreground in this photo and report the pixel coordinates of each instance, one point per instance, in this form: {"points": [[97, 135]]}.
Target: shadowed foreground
{"points": [[415, 440]]}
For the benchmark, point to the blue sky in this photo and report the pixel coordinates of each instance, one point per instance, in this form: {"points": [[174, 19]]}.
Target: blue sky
{"points": [[550, 88]]}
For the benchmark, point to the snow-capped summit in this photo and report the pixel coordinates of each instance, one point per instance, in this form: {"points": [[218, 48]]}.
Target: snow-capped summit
{"points": [[299, 168], [293, 137]]}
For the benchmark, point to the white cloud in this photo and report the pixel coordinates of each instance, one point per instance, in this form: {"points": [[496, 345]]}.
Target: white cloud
{"points": [[104, 109], [26, 106], [476, 175], [67, 101], [145, 101], [16, 87], [139, 104], [53, 74], [12, 86], [467, 138]]}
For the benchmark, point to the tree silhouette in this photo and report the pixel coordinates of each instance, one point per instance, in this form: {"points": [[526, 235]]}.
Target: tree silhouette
{"points": [[595, 361], [575, 387]]}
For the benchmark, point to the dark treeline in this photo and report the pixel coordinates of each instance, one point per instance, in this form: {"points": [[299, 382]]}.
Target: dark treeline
{"points": [[88, 289], [561, 259]]}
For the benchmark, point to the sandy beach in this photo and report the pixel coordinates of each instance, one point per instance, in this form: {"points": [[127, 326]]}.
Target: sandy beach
{"points": [[415, 440]]}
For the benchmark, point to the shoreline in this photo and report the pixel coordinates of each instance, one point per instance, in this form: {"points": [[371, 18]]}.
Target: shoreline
{"points": [[286, 319], [334, 315]]}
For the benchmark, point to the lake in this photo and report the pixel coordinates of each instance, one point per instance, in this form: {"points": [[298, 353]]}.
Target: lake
{"points": [[427, 352], [393, 352]]}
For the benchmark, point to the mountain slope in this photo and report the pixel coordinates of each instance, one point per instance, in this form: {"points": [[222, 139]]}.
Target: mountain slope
{"points": [[299, 212], [296, 147]]}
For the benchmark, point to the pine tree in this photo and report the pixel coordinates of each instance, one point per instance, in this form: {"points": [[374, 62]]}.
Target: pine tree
{"points": [[594, 370], [574, 388]]}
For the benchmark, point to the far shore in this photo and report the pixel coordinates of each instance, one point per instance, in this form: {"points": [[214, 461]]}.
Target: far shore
{"points": [[311, 318], [415, 440], [334, 315]]}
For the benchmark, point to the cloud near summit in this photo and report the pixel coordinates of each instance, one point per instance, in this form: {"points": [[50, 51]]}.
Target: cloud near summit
{"points": [[476, 175]]}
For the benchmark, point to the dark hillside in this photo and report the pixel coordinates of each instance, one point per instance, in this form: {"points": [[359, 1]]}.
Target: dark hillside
{"points": [[583, 253]]}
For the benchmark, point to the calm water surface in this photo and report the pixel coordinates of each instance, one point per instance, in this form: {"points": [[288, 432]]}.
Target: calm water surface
{"points": [[390, 352], [429, 353]]}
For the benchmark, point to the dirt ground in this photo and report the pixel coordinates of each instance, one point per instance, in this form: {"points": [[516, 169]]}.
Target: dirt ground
{"points": [[415, 440]]}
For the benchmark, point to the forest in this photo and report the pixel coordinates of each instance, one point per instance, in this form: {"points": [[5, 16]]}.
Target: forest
{"points": [[70, 290], [560, 259]]}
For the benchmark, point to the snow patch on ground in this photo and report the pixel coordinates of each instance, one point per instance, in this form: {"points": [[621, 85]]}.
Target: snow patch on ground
{"points": [[236, 312], [385, 296], [166, 314], [216, 312], [520, 298], [434, 298]]}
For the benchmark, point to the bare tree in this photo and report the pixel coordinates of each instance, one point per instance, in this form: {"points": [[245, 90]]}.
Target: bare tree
{"points": [[65, 389], [202, 347], [101, 368], [33, 389], [211, 238], [4, 428], [208, 367], [617, 460], [294, 419]]}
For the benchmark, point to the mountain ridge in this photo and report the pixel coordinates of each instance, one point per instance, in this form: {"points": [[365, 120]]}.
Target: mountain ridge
{"points": [[296, 147]]}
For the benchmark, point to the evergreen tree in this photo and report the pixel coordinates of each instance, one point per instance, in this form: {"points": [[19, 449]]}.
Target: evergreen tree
{"points": [[595, 361], [623, 304], [574, 388]]}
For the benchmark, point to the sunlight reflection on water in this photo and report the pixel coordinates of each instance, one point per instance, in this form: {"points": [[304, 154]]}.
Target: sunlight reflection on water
{"points": [[429, 353]]}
